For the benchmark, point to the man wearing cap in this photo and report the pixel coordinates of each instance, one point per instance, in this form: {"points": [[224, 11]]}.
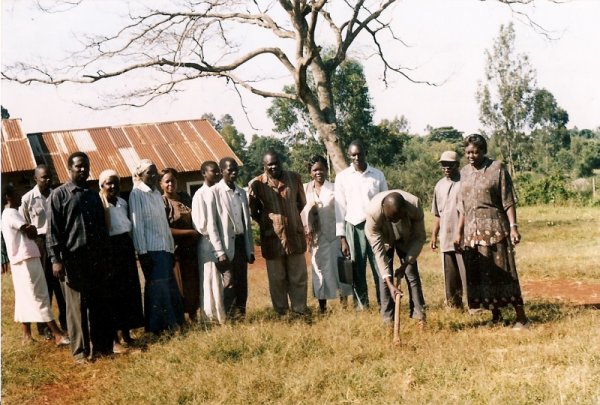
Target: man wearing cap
{"points": [[445, 197], [395, 224]]}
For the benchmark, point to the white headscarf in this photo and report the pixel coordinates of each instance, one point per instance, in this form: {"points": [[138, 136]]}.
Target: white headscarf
{"points": [[140, 168], [105, 175]]}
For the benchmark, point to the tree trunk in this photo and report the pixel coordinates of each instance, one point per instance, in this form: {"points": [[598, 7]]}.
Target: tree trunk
{"points": [[328, 133], [322, 113]]}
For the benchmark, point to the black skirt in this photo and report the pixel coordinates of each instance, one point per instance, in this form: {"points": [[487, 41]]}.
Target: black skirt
{"points": [[126, 294]]}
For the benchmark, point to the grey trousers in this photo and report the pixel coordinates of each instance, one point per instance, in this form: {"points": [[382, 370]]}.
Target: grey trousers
{"points": [[454, 279], [415, 292], [360, 252], [288, 278]]}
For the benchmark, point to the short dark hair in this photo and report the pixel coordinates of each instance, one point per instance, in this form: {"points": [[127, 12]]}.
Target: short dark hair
{"points": [[206, 164], [476, 140], [224, 161], [77, 154], [317, 159], [168, 170], [7, 191], [358, 143], [271, 152]]}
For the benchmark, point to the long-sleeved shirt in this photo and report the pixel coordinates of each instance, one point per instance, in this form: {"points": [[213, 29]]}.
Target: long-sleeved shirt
{"points": [[445, 206], [353, 191], [18, 246], [276, 206], [75, 220], [204, 213], [408, 233], [151, 231], [34, 207]]}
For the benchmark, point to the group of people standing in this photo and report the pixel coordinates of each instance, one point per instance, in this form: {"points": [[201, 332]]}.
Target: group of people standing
{"points": [[80, 246]]}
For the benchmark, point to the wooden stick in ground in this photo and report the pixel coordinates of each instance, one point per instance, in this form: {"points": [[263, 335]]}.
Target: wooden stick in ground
{"points": [[397, 315]]}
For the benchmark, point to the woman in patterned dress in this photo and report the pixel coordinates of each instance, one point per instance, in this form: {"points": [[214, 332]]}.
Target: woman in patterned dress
{"points": [[488, 231]]}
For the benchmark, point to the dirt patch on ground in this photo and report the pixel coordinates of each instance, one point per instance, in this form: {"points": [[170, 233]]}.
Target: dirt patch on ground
{"points": [[569, 291]]}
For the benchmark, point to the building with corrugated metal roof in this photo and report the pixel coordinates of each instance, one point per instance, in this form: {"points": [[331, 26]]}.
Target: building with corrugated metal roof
{"points": [[17, 159], [182, 145]]}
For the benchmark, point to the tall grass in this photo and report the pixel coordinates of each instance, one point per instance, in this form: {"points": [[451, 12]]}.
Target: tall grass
{"points": [[347, 356]]}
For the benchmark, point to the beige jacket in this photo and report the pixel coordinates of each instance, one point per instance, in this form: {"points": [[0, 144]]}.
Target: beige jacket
{"points": [[380, 232]]}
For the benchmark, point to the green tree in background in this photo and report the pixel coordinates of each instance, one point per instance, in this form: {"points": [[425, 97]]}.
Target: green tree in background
{"points": [[355, 119], [352, 103], [5, 114], [506, 95], [549, 134], [447, 134]]}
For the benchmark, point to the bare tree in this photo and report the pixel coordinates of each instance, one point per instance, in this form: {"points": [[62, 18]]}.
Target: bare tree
{"points": [[198, 39]]}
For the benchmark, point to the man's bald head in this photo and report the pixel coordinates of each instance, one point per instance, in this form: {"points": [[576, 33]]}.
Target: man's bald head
{"points": [[393, 206]]}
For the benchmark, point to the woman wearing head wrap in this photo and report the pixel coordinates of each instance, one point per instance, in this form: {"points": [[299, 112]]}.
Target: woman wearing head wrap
{"points": [[154, 245], [124, 280], [178, 206]]}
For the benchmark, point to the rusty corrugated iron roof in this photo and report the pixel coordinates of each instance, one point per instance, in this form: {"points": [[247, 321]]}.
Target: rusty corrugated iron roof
{"points": [[182, 145], [17, 155]]}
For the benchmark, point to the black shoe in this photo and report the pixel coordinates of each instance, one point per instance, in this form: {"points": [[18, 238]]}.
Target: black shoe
{"points": [[48, 334]]}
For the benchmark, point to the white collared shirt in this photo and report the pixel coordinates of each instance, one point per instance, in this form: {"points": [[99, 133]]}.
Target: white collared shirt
{"points": [[235, 201], [119, 219], [353, 191], [151, 231], [34, 207]]}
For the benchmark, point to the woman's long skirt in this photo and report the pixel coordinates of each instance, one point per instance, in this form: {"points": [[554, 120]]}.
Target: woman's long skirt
{"points": [[163, 305], [126, 293], [492, 280], [32, 302]]}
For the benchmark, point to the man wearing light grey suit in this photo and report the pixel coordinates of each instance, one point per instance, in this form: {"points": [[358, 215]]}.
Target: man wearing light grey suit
{"points": [[395, 223], [235, 248]]}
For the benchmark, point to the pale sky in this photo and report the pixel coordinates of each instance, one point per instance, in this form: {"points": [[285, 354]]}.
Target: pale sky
{"points": [[447, 41]]}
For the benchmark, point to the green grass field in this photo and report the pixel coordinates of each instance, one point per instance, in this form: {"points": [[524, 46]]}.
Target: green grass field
{"points": [[348, 356]]}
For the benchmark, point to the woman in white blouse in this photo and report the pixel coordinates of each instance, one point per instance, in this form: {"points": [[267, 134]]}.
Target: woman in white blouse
{"points": [[124, 279], [32, 302], [319, 221]]}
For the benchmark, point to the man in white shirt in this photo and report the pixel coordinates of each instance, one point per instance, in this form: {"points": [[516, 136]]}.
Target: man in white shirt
{"points": [[204, 217], [354, 188], [34, 208], [235, 232]]}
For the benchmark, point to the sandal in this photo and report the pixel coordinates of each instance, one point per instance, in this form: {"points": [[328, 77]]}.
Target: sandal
{"points": [[63, 341]]}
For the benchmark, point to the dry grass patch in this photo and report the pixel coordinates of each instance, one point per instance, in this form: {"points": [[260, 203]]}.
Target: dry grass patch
{"points": [[347, 356]]}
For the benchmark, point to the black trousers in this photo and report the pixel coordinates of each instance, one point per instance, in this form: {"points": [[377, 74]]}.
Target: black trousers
{"points": [[89, 309], [55, 288], [235, 280]]}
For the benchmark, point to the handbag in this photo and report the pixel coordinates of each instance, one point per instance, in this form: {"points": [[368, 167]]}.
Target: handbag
{"points": [[345, 270]]}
